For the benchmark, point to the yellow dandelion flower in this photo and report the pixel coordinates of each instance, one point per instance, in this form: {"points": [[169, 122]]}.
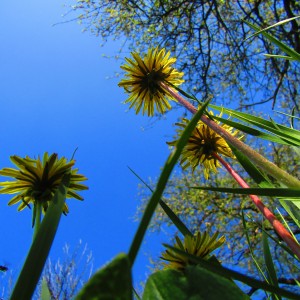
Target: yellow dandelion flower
{"points": [[202, 145], [144, 80], [197, 245], [36, 180]]}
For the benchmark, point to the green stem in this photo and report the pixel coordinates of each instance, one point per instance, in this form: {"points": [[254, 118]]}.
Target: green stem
{"points": [[37, 217], [255, 157]]}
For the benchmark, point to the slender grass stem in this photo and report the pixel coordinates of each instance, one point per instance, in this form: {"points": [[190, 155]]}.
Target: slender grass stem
{"points": [[278, 227]]}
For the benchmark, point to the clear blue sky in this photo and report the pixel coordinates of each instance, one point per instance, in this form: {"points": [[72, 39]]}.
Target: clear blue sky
{"points": [[55, 97]]}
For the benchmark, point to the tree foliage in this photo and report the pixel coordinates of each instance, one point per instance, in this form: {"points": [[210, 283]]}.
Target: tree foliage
{"points": [[208, 39]]}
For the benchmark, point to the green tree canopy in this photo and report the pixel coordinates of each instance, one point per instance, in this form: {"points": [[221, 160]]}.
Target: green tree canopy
{"points": [[208, 38]]}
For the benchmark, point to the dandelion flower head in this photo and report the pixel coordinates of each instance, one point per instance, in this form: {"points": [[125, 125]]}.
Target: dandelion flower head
{"points": [[36, 180], [202, 145], [199, 245], [145, 79]]}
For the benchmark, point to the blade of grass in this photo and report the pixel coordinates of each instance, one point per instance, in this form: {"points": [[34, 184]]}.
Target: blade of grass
{"points": [[279, 56], [39, 250], [271, 192], [269, 264], [292, 210], [161, 184], [250, 248], [169, 212], [285, 132], [286, 224], [284, 135], [272, 26], [275, 41], [274, 137], [276, 240]]}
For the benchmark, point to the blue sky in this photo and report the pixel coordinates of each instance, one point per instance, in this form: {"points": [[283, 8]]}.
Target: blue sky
{"points": [[55, 96]]}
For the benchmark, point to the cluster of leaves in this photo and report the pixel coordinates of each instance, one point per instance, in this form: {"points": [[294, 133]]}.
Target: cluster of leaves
{"points": [[208, 38]]}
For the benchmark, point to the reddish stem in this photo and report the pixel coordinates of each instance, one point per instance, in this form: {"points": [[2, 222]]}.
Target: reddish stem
{"points": [[278, 227]]}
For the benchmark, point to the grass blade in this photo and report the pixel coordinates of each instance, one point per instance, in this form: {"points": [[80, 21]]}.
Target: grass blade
{"points": [[275, 41], [161, 184], [284, 132], [271, 192], [250, 248], [169, 212], [269, 263]]}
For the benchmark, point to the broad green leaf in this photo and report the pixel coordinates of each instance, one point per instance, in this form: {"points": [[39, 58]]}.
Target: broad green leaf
{"points": [[41, 245], [161, 184], [230, 274], [195, 283], [113, 282], [271, 192]]}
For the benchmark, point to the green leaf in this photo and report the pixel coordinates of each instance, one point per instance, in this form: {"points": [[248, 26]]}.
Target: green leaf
{"points": [[169, 212], [292, 209], [277, 241], [230, 274], [289, 51], [251, 169], [41, 245], [161, 184], [282, 133], [45, 293], [279, 56], [272, 277], [272, 26], [113, 282], [271, 192], [174, 218], [257, 133], [195, 283], [250, 248]]}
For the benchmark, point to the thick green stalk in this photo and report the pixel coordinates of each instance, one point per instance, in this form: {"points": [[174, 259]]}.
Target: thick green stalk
{"points": [[37, 217], [255, 157]]}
